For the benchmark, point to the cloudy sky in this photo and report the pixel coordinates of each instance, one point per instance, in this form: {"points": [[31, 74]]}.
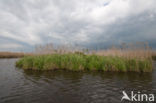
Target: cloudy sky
{"points": [[91, 23]]}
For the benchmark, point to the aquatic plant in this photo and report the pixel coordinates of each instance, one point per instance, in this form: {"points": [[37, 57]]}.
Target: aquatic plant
{"points": [[78, 62]]}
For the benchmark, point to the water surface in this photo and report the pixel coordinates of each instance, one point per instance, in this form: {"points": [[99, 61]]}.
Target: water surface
{"points": [[19, 86]]}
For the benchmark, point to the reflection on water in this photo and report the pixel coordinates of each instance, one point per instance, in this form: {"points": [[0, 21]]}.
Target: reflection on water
{"points": [[18, 86]]}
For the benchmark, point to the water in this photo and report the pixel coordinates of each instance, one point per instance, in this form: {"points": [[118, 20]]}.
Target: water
{"points": [[19, 86]]}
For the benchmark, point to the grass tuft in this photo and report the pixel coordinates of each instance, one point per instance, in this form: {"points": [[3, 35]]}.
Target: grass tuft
{"points": [[78, 62]]}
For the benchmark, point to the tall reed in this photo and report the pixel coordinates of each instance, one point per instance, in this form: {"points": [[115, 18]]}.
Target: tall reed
{"points": [[77, 62], [128, 57], [11, 54]]}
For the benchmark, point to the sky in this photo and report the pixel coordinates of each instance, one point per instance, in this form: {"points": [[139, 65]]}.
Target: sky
{"points": [[89, 23]]}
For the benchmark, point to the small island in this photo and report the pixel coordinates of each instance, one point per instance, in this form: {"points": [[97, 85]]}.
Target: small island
{"points": [[114, 59]]}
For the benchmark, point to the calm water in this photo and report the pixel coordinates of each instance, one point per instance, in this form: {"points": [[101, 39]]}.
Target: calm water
{"points": [[18, 86]]}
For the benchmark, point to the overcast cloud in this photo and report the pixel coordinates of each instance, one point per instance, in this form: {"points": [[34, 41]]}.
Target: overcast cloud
{"points": [[92, 23]]}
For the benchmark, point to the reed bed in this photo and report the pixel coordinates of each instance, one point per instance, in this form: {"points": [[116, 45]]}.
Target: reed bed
{"points": [[77, 62], [123, 59], [129, 54], [11, 55]]}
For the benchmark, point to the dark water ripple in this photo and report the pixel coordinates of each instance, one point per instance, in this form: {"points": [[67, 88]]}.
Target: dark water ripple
{"points": [[18, 86]]}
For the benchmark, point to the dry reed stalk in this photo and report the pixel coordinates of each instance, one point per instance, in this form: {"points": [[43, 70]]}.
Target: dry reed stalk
{"points": [[129, 51], [140, 50], [11, 55]]}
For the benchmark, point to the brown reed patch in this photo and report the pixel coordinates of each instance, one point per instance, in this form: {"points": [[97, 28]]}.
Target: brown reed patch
{"points": [[12, 54], [140, 50]]}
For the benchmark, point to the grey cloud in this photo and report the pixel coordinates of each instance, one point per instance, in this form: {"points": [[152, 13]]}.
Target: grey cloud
{"points": [[94, 24]]}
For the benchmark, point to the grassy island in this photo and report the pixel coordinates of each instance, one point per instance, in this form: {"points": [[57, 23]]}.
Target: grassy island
{"points": [[79, 62], [135, 57]]}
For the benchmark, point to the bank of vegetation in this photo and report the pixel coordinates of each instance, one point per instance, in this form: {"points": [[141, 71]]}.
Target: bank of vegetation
{"points": [[124, 59], [11, 54], [78, 62]]}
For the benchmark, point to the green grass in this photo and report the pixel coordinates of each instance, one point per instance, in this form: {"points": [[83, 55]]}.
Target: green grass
{"points": [[79, 62]]}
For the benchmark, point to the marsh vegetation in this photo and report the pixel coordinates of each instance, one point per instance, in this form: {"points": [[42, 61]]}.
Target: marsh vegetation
{"points": [[137, 58], [11, 54], [78, 62]]}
